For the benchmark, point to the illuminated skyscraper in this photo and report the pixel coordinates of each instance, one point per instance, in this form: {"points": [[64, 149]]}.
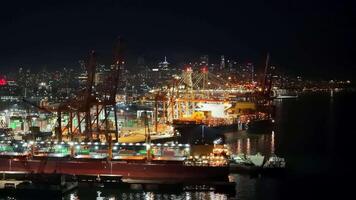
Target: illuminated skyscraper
{"points": [[222, 63], [204, 60], [251, 69], [163, 65]]}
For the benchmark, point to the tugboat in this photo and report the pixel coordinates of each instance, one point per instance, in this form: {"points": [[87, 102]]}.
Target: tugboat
{"points": [[247, 164], [256, 165], [274, 166]]}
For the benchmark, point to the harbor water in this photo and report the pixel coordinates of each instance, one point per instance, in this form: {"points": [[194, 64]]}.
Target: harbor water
{"points": [[314, 133]]}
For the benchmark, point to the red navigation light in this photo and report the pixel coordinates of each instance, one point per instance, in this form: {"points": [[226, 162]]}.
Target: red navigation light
{"points": [[3, 81], [187, 68], [204, 69]]}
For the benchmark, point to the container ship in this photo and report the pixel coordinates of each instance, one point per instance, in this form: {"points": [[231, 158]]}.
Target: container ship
{"points": [[209, 128], [206, 124], [199, 132], [263, 125], [255, 118]]}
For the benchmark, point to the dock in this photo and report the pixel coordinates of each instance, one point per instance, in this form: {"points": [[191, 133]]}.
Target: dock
{"points": [[14, 179], [21, 183], [197, 185]]}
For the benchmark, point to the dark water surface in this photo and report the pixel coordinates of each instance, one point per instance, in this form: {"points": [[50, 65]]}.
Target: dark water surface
{"points": [[314, 133]]}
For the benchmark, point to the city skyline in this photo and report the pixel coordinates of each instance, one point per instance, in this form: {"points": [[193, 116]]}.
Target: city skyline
{"points": [[177, 99], [310, 37]]}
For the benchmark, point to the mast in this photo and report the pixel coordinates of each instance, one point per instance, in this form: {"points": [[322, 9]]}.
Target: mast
{"points": [[265, 74], [156, 113], [147, 138]]}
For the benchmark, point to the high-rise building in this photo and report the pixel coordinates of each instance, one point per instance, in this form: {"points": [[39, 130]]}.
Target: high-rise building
{"points": [[251, 70], [163, 65], [230, 65], [222, 63], [204, 60], [164, 71]]}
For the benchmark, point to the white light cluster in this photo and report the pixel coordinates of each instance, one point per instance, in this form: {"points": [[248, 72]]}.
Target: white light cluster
{"points": [[95, 143]]}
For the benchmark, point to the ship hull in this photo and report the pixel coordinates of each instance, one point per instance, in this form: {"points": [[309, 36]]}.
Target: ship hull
{"points": [[198, 133], [150, 171], [260, 126]]}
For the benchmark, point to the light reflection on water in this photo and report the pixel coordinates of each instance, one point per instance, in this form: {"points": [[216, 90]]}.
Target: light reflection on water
{"points": [[133, 195], [244, 143]]}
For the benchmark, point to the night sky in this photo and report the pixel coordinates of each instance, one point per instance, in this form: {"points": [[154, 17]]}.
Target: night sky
{"points": [[313, 38]]}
